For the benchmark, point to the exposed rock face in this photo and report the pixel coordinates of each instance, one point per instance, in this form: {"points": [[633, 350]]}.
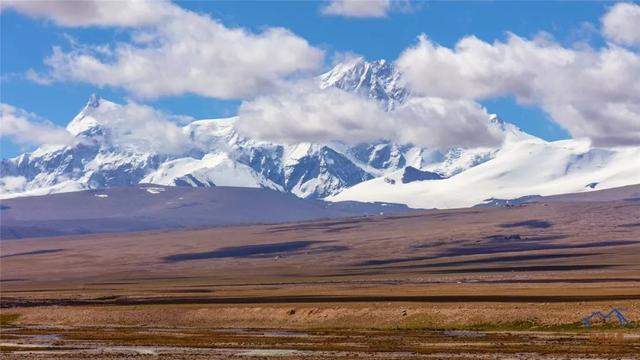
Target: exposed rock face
{"points": [[412, 174]]}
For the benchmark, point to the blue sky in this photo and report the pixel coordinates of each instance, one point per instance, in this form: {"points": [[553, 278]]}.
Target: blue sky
{"points": [[27, 41]]}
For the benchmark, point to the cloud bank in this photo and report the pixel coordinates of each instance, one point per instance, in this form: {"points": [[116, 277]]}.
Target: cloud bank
{"points": [[93, 12], [357, 8], [365, 8], [131, 127], [621, 24], [142, 128], [306, 113], [174, 52], [591, 92], [25, 128]]}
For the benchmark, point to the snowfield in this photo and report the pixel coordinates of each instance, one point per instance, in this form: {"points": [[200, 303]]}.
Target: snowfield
{"points": [[528, 167]]}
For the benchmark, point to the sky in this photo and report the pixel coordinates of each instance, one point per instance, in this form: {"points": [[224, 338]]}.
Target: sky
{"points": [[247, 57]]}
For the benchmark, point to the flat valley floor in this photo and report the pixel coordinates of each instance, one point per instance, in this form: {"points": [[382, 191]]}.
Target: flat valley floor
{"points": [[496, 283]]}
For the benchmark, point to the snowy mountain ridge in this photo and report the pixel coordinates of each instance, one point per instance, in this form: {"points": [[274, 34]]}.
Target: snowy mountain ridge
{"points": [[528, 167], [216, 155]]}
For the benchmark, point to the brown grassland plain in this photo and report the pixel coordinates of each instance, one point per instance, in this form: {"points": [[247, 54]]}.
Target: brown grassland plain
{"points": [[470, 283]]}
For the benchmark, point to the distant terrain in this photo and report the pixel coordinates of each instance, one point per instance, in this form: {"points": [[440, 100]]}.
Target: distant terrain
{"points": [[152, 207]]}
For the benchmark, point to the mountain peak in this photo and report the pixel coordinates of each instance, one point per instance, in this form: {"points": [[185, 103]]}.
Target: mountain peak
{"points": [[94, 101], [88, 117], [378, 80]]}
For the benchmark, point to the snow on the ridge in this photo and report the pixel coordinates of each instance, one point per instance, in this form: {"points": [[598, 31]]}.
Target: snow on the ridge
{"points": [[459, 160], [210, 133], [65, 186], [419, 157], [154, 190], [378, 80], [212, 170], [215, 127], [294, 153], [44, 150], [519, 169], [90, 116], [340, 71]]}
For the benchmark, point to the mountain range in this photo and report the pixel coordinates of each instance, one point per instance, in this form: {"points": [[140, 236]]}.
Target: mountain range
{"points": [[382, 171]]}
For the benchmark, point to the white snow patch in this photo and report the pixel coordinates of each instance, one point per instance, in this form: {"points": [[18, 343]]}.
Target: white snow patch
{"points": [[154, 190]]}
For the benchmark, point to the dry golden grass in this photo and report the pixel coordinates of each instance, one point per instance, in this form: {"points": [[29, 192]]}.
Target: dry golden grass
{"points": [[525, 316]]}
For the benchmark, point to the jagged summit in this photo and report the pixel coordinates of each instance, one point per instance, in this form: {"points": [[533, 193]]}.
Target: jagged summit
{"points": [[510, 131], [379, 80], [94, 101], [89, 118]]}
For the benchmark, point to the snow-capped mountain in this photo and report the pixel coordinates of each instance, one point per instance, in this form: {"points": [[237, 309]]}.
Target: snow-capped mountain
{"points": [[378, 80], [211, 152], [521, 168], [219, 156]]}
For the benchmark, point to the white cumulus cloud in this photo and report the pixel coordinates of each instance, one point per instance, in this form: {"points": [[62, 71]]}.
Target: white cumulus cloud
{"points": [[621, 24], [142, 128], [93, 12], [182, 52], [304, 113], [28, 129], [131, 126], [444, 123], [592, 93], [357, 8]]}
